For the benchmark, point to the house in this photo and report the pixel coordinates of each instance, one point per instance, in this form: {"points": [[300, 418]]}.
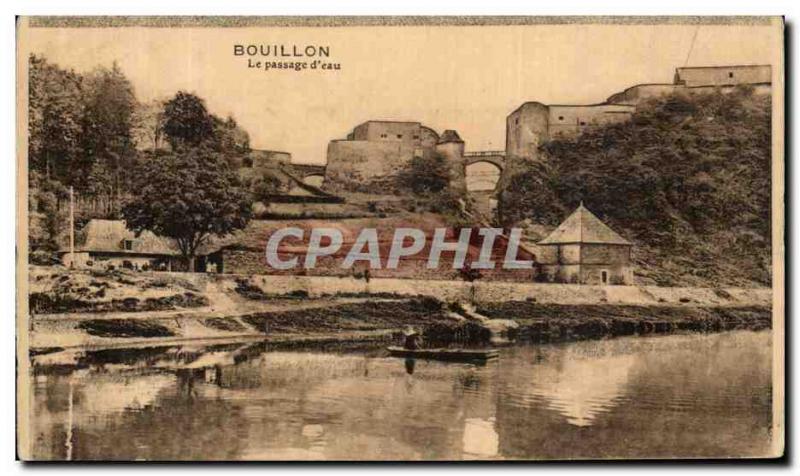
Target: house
{"points": [[106, 243], [584, 250]]}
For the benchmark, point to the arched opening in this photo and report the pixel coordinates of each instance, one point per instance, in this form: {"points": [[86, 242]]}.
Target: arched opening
{"points": [[482, 176]]}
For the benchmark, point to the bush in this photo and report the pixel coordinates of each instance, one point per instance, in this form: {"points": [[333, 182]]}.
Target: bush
{"points": [[43, 258], [124, 328]]}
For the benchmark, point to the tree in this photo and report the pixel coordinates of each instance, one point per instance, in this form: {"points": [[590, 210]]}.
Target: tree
{"points": [[55, 111], [187, 121], [429, 178], [265, 185], [107, 140], [148, 125], [425, 175], [529, 195], [228, 138], [187, 195]]}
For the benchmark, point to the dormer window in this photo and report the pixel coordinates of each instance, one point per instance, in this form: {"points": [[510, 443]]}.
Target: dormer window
{"points": [[127, 245]]}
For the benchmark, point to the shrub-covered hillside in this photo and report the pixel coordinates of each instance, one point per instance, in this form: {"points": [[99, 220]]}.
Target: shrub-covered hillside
{"points": [[687, 179]]}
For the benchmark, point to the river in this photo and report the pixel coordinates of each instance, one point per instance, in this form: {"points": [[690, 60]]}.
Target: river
{"points": [[692, 395]]}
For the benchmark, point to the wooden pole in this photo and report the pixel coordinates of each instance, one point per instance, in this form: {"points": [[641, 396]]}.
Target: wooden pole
{"points": [[71, 228]]}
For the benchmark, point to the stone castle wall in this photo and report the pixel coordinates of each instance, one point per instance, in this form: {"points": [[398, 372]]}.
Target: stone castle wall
{"points": [[534, 123]]}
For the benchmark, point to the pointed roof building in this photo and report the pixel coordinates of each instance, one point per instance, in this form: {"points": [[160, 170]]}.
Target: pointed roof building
{"points": [[450, 136], [583, 227]]}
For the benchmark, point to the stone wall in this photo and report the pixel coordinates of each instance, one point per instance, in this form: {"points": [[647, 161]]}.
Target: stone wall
{"points": [[723, 75], [375, 151], [497, 291], [526, 129], [354, 162], [569, 121]]}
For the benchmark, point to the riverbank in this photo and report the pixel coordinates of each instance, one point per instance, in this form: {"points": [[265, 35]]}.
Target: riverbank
{"points": [[384, 320], [90, 309]]}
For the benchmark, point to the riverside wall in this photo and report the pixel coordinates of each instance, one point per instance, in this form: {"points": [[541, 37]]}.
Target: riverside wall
{"points": [[493, 291]]}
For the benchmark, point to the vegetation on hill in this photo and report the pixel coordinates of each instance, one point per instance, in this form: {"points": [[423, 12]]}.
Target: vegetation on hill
{"points": [[430, 183], [88, 131], [688, 179]]}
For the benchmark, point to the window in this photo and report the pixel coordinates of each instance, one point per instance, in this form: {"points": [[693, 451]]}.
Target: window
{"points": [[516, 121], [128, 245], [416, 137], [604, 276], [560, 118], [730, 75], [384, 136], [399, 136], [583, 123]]}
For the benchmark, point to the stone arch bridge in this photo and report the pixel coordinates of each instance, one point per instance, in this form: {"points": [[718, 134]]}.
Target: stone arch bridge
{"points": [[483, 170]]}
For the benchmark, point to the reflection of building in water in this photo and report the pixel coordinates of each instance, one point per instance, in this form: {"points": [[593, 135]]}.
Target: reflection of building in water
{"points": [[118, 394], [480, 438], [560, 399], [579, 388], [83, 401]]}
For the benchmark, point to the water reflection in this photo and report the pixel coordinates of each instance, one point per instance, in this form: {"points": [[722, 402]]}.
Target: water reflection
{"points": [[691, 395], [577, 386], [481, 441]]}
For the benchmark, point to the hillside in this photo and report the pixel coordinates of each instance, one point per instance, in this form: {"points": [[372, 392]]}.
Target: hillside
{"points": [[687, 179]]}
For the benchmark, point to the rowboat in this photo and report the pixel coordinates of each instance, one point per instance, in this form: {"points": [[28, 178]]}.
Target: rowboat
{"points": [[453, 355]]}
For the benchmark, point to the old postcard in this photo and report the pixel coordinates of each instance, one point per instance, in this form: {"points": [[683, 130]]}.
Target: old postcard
{"points": [[400, 238]]}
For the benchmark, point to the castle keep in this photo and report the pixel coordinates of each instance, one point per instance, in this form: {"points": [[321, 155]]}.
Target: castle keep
{"points": [[377, 149]]}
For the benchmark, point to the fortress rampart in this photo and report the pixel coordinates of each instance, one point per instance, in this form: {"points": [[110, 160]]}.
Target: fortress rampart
{"points": [[375, 150], [534, 123]]}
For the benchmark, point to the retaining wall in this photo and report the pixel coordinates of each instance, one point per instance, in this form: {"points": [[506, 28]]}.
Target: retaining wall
{"points": [[497, 291]]}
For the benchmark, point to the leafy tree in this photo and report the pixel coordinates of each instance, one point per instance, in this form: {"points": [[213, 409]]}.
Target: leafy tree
{"points": [[228, 138], [187, 121], [55, 110], [44, 217], [188, 195], [428, 178], [265, 185], [148, 125], [529, 195], [106, 138], [425, 175]]}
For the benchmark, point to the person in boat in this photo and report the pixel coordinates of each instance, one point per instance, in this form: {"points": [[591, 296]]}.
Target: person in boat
{"points": [[413, 339]]}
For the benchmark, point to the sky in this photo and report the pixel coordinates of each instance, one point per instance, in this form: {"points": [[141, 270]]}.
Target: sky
{"points": [[467, 78]]}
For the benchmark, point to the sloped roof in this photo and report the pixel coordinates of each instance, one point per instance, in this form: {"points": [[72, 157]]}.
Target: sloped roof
{"points": [[450, 136], [108, 236], [582, 226]]}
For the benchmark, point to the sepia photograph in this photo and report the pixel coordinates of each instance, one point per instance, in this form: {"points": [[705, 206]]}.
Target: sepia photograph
{"points": [[396, 239]]}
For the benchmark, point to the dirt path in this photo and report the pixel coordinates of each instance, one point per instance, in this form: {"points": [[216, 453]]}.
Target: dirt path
{"points": [[215, 310]]}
